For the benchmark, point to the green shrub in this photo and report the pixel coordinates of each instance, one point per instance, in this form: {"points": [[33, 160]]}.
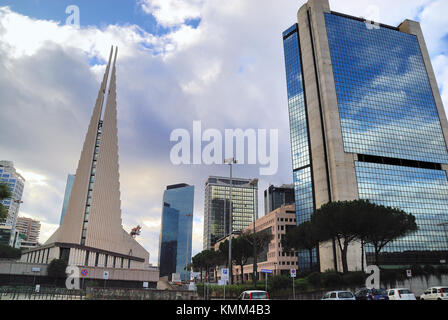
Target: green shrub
{"points": [[280, 282], [354, 279], [331, 280], [7, 252], [56, 268], [302, 285], [315, 279]]}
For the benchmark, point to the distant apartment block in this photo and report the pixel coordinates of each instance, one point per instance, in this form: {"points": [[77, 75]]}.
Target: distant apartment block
{"points": [[30, 230]]}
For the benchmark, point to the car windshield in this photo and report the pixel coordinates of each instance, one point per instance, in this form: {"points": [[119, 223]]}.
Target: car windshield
{"points": [[259, 295], [379, 292], [345, 295], [405, 291], [445, 290]]}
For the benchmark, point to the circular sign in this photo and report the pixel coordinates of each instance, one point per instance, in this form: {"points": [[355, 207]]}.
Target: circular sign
{"points": [[84, 272]]}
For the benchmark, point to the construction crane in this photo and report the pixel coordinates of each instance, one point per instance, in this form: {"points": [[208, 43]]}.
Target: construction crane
{"points": [[136, 231]]}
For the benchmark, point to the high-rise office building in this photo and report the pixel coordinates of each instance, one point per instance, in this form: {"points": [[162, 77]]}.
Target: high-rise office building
{"points": [[92, 234], [176, 231], [10, 177], [367, 122], [217, 207], [276, 197], [68, 191], [30, 229]]}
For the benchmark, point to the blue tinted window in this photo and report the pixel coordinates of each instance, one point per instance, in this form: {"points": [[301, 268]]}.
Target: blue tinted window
{"points": [[296, 100], [300, 149], [384, 96], [421, 192]]}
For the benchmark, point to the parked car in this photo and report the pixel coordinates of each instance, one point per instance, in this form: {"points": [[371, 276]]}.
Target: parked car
{"points": [[339, 295], [254, 295], [401, 294], [435, 293], [371, 294]]}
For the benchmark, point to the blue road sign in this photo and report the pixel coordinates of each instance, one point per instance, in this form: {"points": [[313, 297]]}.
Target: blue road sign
{"points": [[266, 271]]}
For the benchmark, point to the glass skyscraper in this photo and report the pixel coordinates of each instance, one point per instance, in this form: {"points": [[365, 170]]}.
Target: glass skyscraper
{"points": [[367, 122], [275, 197], [217, 207], [176, 231]]}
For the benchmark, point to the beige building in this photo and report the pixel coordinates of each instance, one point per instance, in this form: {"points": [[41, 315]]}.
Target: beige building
{"points": [[92, 234], [30, 229], [273, 258]]}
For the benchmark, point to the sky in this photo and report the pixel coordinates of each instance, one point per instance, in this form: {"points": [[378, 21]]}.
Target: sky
{"points": [[215, 61]]}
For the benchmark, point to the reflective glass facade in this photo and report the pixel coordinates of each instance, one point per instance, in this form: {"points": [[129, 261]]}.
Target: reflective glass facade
{"points": [[385, 100], [300, 144], [387, 110], [217, 201], [176, 231], [422, 192]]}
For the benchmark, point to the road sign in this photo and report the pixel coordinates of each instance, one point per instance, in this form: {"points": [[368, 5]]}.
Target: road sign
{"points": [[84, 272], [145, 284], [225, 274], [409, 273], [35, 270], [106, 275], [293, 273], [267, 271]]}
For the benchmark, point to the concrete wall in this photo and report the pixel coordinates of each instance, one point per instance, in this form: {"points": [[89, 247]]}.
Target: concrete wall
{"points": [[20, 268]]}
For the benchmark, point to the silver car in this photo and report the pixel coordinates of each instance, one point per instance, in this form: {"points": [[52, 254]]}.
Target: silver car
{"points": [[339, 296], [435, 293]]}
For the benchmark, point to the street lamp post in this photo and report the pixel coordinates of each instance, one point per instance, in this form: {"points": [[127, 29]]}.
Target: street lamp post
{"points": [[230, 162], [253, 183]]}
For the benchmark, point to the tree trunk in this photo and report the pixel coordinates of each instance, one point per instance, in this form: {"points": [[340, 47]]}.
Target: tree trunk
{"points": [[362, 255], [344, 258], [377, 254], [311, 259]]}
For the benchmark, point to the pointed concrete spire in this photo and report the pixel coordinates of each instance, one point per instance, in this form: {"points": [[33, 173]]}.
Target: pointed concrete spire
{"points": [[93, 216]]}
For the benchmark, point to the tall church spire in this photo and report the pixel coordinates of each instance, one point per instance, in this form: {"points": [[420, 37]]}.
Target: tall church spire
{"points": [[93, 216]]}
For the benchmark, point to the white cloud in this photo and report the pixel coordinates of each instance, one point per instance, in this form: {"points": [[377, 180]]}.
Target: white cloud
{"points": [[173, 12]]}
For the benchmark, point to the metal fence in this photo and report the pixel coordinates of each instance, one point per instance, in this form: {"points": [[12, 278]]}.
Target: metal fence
{"points": [[30, 293], [139, 294]]}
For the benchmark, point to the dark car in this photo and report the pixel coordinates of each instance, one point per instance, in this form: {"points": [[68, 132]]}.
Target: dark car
{"points": [[371, 294]]}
